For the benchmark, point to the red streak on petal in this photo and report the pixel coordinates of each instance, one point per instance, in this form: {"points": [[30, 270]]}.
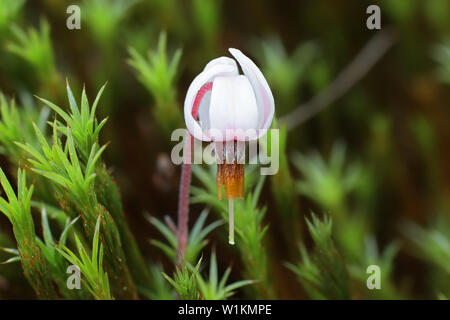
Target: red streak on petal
{"points": [[198, 98]]}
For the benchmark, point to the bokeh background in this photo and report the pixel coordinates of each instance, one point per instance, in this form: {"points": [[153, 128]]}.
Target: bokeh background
{"points": [[376, 160]]}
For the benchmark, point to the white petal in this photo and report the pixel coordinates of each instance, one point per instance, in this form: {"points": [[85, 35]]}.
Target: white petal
{"points": [[221, 60], [264, 97], [216, 67], [233, 108]]}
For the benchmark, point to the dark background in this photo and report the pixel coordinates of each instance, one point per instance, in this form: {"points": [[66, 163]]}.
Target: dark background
{"points": [[394, 121]]}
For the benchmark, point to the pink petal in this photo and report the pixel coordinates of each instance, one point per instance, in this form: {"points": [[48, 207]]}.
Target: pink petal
{"points": [[222, 66]]}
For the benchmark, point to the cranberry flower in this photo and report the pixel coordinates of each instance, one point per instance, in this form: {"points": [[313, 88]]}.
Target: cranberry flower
{"points": [[227, 108]]}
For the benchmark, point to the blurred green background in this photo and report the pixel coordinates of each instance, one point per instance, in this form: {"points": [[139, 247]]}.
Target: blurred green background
{"points": [[375, 160]]}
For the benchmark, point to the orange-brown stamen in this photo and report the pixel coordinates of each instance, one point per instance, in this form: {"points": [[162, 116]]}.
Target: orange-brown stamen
{"points": [[231, 176]]}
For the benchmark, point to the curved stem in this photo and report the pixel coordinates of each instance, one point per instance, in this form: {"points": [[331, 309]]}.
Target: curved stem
{"points": [[372, 52]]}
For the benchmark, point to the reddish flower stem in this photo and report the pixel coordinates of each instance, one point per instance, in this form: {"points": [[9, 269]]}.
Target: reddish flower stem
{"points": [[183, 201], [185, 181]]}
